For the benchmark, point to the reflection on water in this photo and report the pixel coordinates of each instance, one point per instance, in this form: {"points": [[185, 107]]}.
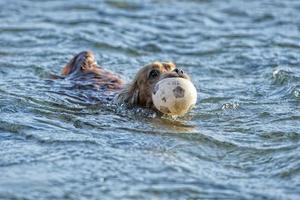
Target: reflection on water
{"points": [[240, 142]]}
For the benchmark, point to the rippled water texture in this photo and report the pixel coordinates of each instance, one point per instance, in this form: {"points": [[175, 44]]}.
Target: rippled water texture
{"points": [[242, 141]]}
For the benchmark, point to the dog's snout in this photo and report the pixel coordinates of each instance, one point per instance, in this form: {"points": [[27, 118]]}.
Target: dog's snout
{"points": [[176, 73], [179, 71]]}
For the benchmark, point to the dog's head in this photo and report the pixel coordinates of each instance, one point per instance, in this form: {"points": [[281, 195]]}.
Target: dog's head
{"points": [[139, 92]]}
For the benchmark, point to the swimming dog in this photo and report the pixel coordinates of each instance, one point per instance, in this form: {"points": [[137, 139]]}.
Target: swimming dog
{"points": [[83, 68]]}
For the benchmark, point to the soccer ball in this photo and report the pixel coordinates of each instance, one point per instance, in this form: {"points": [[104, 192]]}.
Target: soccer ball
{"points": [[174, 96]]}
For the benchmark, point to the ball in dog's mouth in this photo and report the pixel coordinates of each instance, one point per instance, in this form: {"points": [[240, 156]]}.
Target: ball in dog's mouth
{"points": [[174, 96]]}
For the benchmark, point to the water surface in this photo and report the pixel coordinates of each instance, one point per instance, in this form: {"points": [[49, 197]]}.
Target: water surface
{"points": [[242, 141]]}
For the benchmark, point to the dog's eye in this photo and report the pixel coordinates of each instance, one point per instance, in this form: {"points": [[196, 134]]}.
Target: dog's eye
{"points": [[154, 74]]}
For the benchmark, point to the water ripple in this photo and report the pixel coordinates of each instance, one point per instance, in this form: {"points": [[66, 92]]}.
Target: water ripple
{"points": [[240, 142]]}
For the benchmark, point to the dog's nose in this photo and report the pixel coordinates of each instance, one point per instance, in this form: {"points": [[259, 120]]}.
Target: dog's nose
{"points": [[179, 71]]}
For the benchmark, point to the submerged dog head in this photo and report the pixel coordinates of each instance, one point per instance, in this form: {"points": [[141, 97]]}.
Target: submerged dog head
{"points": [[139, 92]]}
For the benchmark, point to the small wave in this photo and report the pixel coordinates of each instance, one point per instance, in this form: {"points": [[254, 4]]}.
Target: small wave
{"points": [[125, 5], [281, 76], [277, 135], [230, 106], [296, 92]]}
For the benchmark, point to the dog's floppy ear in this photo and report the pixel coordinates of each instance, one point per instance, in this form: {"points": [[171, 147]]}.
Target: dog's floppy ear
{"points": [[129, 95]]}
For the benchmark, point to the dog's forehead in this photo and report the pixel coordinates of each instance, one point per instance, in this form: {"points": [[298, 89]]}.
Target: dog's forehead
{"points": [[158, 67], [162, 67]]}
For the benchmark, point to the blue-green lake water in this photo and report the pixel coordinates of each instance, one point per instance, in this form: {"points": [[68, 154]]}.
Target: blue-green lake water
{"points": [[242, 141]]}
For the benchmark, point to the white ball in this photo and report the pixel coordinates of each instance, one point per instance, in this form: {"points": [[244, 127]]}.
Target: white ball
{"points": [[174, 96]]}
